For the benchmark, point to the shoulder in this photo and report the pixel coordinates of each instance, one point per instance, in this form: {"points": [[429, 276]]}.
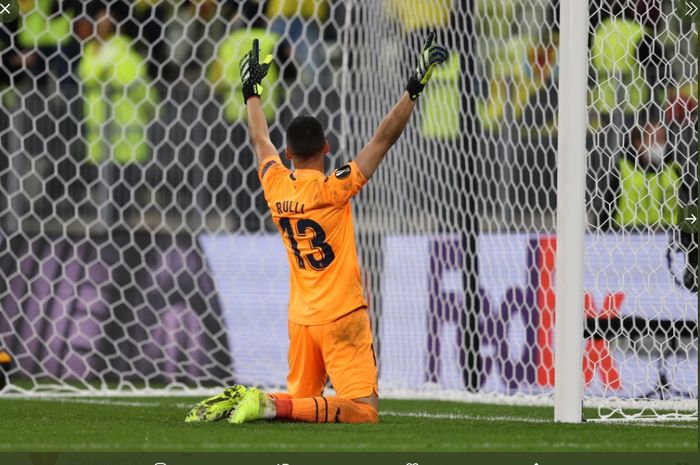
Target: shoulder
{"points": [[348, 173], [344, 182], [271, 167], [267, 164]]}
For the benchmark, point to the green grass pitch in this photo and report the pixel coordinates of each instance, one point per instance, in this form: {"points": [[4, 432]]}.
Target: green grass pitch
{"points": [[156, 424]]}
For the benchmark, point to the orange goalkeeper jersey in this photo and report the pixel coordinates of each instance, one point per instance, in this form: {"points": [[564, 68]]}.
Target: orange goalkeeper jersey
{"points": [[312, 212]]}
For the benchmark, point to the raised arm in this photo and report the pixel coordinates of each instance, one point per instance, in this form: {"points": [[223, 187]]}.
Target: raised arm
{"points": [[393, 124], [388, 132], [258, 131], [252, 74]]}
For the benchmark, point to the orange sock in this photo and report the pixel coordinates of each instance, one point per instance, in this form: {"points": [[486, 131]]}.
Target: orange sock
{"points": [[280, 395], [325, 410]]}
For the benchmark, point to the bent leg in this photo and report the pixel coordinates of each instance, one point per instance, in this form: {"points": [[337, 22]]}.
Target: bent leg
{"points": [[348, 353], [307, 371], [348, 356]]}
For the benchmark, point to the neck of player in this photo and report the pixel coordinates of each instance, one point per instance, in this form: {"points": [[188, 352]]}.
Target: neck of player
{"points": [[313, 163]]}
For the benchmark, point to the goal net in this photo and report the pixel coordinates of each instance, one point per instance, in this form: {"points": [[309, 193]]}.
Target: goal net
{"points": [[137, 255]]}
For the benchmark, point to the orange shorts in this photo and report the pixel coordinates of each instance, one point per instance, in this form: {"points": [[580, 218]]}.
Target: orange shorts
{"points": [[341, 349]]}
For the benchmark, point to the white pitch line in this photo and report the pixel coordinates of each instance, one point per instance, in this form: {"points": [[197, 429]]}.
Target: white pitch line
{"points": [[461, 416], [71, 400], [650, 422]]}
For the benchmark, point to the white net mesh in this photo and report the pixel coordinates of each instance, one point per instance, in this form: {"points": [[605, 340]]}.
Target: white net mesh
{"points": [[642, 171], [137, 253]]}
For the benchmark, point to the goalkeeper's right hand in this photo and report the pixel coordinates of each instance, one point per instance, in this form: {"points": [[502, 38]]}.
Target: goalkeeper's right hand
{"points": [[430, 56], [253, 72]]}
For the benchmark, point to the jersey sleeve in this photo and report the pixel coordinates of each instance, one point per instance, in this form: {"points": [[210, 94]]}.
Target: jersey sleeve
{"points": [[344, 183], [270, 170]]}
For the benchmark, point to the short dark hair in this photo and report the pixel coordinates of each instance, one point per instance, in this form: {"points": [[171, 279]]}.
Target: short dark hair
{"points": [[305, 136]]}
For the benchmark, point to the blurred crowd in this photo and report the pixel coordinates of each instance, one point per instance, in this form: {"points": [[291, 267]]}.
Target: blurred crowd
{"points": [[175, 39], [136, 81], [642, 148], [85, 80], [642, 112]]}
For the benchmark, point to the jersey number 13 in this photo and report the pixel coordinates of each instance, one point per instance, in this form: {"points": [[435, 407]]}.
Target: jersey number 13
{"points": [[318, 242]]}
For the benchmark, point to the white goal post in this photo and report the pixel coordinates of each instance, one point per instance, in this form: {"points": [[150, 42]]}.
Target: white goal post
{"points": [[519, 245], [571, 169]]}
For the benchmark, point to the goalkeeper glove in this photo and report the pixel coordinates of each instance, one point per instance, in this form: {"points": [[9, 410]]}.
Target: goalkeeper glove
{"points": [[253, 72], [430, 56]]}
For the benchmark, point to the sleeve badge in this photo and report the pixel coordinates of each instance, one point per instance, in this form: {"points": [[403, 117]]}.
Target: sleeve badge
{"points": [[343, 172]]}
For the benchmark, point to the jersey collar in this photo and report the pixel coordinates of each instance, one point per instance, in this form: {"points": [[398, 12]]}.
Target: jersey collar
{"points": [[307, 172]]}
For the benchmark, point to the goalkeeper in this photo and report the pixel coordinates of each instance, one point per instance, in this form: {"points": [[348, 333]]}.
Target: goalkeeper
{"points": [[329, 327]]}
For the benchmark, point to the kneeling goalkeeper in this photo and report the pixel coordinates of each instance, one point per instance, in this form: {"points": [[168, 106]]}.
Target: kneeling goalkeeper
{"points": [[329, 327]]}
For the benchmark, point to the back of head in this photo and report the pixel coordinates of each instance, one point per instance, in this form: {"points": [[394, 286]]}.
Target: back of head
{"points": [[305, 137]]}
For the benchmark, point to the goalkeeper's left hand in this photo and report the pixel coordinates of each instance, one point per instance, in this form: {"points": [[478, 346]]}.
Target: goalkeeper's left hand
{"points": [[253, 72], [430, 56]]}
